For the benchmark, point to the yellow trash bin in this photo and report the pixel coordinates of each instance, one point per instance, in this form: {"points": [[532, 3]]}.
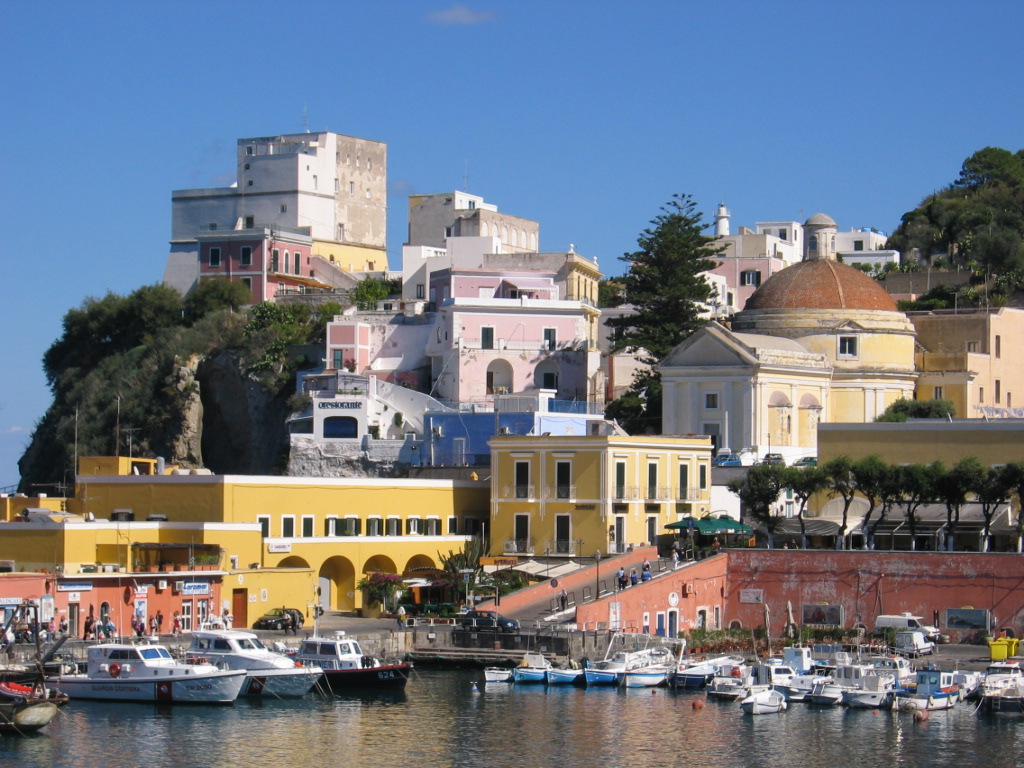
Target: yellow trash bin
{"points": [[998, 649], [1011, 645]]}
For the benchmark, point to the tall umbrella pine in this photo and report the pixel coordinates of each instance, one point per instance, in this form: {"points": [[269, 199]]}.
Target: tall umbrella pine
{"points": [[667, 290]]}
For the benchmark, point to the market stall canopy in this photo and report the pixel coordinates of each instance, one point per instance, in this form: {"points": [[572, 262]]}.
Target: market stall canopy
{"points": [[710, 526], [812, 527]]}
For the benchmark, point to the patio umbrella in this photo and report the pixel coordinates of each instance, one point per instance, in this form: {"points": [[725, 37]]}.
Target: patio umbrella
{"points": [[768, 627]]}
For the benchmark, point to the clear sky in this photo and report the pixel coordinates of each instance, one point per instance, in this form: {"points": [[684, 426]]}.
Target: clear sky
{"points": [[584, 116]]}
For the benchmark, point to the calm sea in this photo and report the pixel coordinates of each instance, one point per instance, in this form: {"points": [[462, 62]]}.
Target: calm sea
{"points": [[439, 721]]}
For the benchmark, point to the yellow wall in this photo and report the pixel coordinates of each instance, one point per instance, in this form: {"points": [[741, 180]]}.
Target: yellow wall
{"points": [[352, 258], [595, 498], [993, 442]]}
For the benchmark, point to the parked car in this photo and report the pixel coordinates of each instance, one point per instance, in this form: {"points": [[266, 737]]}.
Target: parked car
{"points": [[773, 458], [726, 460], [488, 620], [806, 461], [274, 618]]}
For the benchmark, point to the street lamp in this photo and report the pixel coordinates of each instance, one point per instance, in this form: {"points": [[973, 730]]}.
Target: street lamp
{"points": [[597, 574]]}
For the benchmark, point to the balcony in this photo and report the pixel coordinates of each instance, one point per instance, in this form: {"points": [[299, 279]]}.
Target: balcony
{"points": [[519, 492], [563, 492], [693, 494], [658, 493], [625, 493], [517, 547]]}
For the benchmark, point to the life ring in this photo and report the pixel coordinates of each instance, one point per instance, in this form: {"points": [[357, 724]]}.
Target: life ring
{"points": [[115, 669], [735, 672]]}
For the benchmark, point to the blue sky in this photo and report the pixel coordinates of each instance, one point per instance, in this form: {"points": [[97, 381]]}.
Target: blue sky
{"points": [[585, 116]]}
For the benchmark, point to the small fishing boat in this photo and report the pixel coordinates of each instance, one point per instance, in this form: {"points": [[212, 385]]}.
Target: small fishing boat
{"points": [[934, 689], [731, 683], [27, 708], [345, 666], [875, 692], [697, 673], [497, 674], [533, 669], [569, 676], [764, 702]]}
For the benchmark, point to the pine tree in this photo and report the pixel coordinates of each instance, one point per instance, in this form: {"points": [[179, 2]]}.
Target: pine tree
{"points": [[667, 291]]}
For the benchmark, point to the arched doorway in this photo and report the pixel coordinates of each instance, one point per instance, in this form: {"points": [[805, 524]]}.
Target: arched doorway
{"points": [[545, 375], [499, 377]]}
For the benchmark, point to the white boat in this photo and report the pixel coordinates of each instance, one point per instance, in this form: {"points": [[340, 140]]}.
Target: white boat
{"points": [[650, 669], [532, 669], [123, 672], [935, 689], [497, 674], [875, 692], [1002, 689], [268, 673], [731, 683], [764, 702], [845, 677], [969, 683], [634, 653]]}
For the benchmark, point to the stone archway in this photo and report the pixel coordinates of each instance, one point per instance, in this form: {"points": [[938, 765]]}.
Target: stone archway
{"points": [[545, 375], [337, 581], [500, 379]]}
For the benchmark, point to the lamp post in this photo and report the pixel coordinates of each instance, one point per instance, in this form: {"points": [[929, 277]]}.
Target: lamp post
{"points": [[597, 574]]}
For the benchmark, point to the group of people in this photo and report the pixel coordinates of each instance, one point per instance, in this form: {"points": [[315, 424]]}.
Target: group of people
{"points": [[633, 578], [102, 628]]}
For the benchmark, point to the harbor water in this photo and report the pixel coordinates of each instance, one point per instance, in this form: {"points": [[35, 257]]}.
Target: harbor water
{"points": [[442, 720]]}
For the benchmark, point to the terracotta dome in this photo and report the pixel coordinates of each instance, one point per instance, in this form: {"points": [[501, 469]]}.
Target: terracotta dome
{"points": [[821, 285]]}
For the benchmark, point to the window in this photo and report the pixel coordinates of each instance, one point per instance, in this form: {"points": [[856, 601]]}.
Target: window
{"points": [[453, 526], [352, 526], [420, 291], [847, 346], [999, 391], [487, 338], [652, 528], [394, 526], [412, 526], [711, 401], [247, 282], [284, 208], [374, 527], [246, 258], [315, 180], [858, 245], [620, 480], [250, 183], [264, 526], [812, 243], [999, 348], [307, 526], [549, 338], [351, 187], [972, 346], [652, 481], [331, 526], [432, 526], [275, 256], [336, 359], [702, 475], [684, 481], [215, 257], [750, 277], [981, 394], [937, 393], [287, 527], [522, 475], [563, 479], [250, 222], [549, 380], [783, 234]]}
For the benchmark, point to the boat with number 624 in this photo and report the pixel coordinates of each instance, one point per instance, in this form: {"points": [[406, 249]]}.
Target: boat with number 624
{"points": [[346, 667]]}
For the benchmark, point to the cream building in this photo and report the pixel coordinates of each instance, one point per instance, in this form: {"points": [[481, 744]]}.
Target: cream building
{"points": [[817, 342], [577, 495]]}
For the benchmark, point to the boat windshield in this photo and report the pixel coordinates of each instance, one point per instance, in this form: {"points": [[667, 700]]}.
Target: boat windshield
{"points": [[250, 644], [154, 653]]}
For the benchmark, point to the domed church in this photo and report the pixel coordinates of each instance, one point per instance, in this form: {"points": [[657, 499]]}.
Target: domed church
{"points": [[818, 341]]}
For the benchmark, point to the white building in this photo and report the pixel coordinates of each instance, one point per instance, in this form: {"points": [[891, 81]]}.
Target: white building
{"points": [[332, 186]]}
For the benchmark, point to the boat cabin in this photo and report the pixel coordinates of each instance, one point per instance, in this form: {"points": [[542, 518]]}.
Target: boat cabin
{"points": [[338, 652], [118, 660]]}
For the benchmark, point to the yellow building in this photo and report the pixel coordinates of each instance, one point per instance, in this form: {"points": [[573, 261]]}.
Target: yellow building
{"points": [[818, 342], [971, 357], [575, 495]]}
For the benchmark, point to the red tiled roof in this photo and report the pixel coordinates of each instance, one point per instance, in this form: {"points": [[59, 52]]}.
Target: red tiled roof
{"points": [[821, 284]]}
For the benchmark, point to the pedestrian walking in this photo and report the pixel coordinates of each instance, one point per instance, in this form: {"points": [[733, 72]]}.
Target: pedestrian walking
{"points": [[563, 600], [400, 616]]}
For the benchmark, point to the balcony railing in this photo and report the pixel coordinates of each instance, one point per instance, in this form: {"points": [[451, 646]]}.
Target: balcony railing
{"points": [[517, 547], [693, 494], [560, 492], [625, 493], [658, 493], [518, 492]]}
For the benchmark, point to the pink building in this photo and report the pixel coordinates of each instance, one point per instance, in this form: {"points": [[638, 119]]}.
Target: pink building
{"points": [[272, 262]]}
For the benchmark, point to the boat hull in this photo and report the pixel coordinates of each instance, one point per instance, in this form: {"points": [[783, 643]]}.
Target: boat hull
{"points": [[644, 679], [526, 675], [386, 676], [933, 701], [565, 677], [217, 687], [601, 677], [996, 704], [285, 683], [26, 717], [497, 675], [764, 703]]}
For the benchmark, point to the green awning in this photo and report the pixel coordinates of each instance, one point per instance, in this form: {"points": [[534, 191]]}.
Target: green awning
{"points": [[710, 526]]}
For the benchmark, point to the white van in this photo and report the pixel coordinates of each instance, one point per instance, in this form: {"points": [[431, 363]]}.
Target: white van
{"points": [[913, 643], [903, 622]]}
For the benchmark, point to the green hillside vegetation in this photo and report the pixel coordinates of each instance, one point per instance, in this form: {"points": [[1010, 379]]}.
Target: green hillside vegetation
{"points": [[124, 365], [976, 223]]}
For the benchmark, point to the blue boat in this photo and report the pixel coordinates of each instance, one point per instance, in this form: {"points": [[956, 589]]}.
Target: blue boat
{"points": [[533, 669]]}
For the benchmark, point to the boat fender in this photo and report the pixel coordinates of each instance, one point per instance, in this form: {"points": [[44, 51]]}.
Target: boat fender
{"points": [[114, 669], [298, 663], [735, 672]]}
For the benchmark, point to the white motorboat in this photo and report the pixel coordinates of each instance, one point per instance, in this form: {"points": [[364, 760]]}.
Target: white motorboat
{"points": [[123, 672], [829, 692], [1002, 689], [268, 673], [345, 666], [875, 692], [697, 673], [764, 702], [731, 683], [650, 669], [630, 656]]}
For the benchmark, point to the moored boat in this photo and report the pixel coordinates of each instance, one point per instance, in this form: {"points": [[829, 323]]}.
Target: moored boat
{"points": [[764, 702], [934, 689], [497, 674], [346, 667], [148, 673], [268, 673], [570, 676], [533, 669]]}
